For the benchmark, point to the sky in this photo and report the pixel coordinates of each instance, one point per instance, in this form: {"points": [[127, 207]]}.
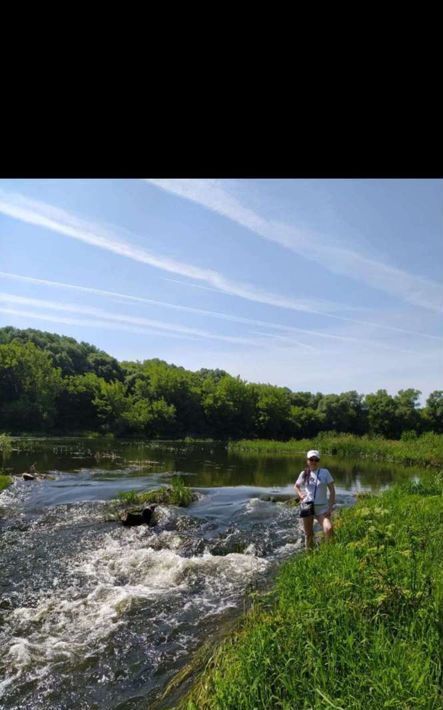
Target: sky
{"points": [[318, 285]]}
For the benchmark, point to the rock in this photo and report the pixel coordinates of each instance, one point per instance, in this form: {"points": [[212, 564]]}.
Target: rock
{"points": [[28, 476], [138, 517]]}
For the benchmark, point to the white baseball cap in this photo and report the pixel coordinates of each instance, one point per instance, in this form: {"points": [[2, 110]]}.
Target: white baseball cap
{"points": [[312, 453]]}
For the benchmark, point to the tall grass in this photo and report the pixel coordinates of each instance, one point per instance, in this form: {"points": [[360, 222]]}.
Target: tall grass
{"points": [[176, 494], [355, 624], [423, 450], [5, 481]]}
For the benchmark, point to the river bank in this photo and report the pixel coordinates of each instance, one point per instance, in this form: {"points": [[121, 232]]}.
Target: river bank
{"points": [[353, 624], [426, 450]]}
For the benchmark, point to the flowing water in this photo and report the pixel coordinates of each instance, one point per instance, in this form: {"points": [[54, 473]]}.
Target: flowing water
{"points": [[97, 615]]}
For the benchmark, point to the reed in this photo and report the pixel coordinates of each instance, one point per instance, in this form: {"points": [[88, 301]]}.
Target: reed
{"points": [[424, 450]]}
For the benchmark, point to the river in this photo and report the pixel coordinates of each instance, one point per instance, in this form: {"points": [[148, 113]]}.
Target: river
{"points": [[97, 615]]}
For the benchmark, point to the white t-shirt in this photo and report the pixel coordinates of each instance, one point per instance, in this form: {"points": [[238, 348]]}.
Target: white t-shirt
{"points": [[318, 479]]}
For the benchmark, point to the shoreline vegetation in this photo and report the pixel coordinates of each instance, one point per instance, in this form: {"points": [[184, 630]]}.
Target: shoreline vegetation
{"points": [[355, 623], [425, 450]]}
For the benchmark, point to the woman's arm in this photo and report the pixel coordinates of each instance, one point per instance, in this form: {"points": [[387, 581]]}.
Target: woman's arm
{"points": [[299, 492], [331, 500]]}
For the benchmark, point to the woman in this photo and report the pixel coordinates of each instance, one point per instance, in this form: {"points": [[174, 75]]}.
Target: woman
{"points": [[312, 485]]}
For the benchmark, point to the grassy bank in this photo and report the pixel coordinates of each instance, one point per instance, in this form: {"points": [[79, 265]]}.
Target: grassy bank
{"points": [[421, 450], [354, 624]]}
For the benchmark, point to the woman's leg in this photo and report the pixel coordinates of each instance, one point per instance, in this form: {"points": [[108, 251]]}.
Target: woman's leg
{"points": [[325, 522], [308, 524]]}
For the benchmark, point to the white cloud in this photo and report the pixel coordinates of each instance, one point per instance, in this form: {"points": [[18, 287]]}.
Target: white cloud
{"points": [[408, 287], [67, 320], [43, 215], [99, 313], [357, 338], [62, 222]]}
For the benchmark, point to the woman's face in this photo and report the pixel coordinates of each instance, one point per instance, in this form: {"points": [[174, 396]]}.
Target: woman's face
{"points": [[313, 463]]}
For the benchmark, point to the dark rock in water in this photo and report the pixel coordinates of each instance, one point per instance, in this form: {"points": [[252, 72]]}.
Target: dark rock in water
{"points": [[148, 515], [130, 518], [28, 476], [139, 517]]}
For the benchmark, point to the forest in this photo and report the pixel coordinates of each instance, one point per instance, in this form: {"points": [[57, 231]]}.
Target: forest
{"points": [[52, 384]]}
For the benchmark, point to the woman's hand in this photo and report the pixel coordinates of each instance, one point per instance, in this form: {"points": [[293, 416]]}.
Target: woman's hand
{"points": [[301, 496]]}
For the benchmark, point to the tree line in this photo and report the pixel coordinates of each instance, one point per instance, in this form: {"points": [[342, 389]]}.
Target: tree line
{"points": [[51, 383]]}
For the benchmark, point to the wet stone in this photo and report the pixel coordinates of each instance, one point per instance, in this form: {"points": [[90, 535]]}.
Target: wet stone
{"points": [[139, 517]]}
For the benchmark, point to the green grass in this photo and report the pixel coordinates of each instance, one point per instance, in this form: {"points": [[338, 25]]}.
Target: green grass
{"points": [[5, 481], [176, 494], [424, 450], [355, 624]]}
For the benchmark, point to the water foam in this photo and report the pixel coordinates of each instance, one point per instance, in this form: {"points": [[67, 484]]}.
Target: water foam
{"points": [[102, 586]]}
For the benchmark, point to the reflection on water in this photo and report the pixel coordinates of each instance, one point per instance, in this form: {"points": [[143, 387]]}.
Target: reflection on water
{"points": [[209, 464]]}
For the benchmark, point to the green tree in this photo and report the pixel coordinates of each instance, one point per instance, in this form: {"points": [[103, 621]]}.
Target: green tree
{"points": [[151, 418], [273, 418], [76, 403], [306, 399], [306, 422], [407, 414], [156, 380], [382, 414], [72, 357], [343, 412], [29, 384], [433, 412], [112, 406], [228, 407]]}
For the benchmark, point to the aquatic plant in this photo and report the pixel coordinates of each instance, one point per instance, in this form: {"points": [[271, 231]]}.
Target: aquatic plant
{"points": [[175, 494]]}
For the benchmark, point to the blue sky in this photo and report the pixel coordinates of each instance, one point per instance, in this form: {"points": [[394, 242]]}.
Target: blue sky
{"points": [[319, 285]]}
